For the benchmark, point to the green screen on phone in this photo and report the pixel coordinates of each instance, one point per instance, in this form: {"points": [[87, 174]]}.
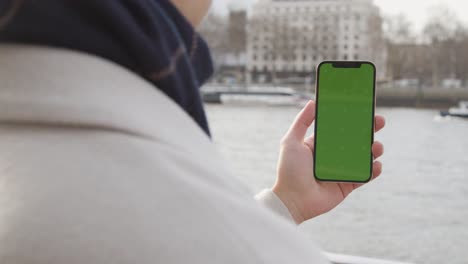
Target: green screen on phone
{"points": [[344, 128]]}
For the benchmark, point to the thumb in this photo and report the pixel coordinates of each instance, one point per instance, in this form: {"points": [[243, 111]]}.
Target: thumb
{"points": [[301, 124]]}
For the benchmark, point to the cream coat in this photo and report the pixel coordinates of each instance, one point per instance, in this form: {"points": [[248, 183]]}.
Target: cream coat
{"points": [[98, 166]]}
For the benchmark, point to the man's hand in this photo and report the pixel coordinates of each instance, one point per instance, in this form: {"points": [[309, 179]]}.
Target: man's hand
{"points": [[303, 195]]}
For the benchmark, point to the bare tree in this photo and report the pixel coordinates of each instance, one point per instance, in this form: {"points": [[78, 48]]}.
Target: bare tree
{"points": [[441, 51], [398, 37], [398, 29], [440, 32], [461, 50], [215, 31]]}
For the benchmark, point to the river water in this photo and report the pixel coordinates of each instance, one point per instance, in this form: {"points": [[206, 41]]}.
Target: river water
{"points": [[416, 211]]}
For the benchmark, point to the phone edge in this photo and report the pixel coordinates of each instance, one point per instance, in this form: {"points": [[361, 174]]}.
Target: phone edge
{"points": [[374, 102]]}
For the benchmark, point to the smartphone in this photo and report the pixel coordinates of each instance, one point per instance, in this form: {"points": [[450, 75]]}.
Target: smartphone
{"points": [[344, 125]]}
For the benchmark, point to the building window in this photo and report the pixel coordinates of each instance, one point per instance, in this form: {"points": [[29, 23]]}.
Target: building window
{"points": [[345, 57], [356, 46], [265, 57], [345, 46], [356, 57], [304, 58], [254, 57]]}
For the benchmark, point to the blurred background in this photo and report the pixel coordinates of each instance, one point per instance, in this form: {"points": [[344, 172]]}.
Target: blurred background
{"points": [[266, 53]]}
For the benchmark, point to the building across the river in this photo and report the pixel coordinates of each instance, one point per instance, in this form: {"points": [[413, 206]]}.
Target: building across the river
{"points": [[286, 39]]}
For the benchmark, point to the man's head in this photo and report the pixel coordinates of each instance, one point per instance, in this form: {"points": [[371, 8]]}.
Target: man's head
{"points": [[193, 10]]}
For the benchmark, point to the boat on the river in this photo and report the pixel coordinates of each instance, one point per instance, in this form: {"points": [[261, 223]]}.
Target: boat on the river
{"points": [[275, 96], [460, 111]]}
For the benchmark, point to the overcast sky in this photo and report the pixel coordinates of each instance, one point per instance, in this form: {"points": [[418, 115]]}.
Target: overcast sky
{"points": [[416, 10]]}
